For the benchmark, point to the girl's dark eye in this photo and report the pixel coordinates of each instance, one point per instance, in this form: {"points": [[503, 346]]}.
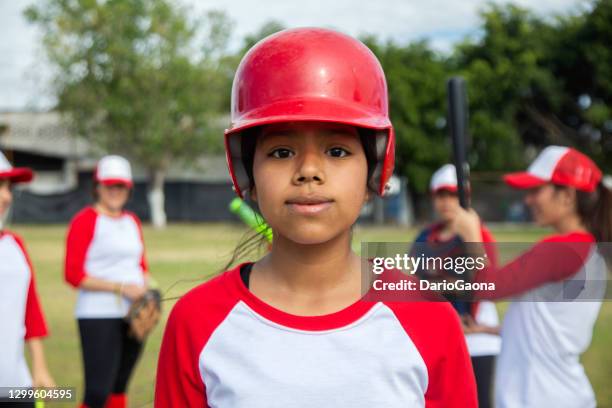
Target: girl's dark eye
{"points": [[281, 153], [338, 152]]}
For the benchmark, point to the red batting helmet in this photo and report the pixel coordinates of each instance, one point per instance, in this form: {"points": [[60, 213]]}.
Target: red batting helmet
{"points": [[310, 74]]}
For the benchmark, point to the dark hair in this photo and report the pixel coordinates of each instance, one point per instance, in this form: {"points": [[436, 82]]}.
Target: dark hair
{"points": [[94, 191], [252, 240], [595, 212]]}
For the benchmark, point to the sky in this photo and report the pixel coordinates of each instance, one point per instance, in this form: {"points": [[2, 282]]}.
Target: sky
{"points": [[25, 76]]}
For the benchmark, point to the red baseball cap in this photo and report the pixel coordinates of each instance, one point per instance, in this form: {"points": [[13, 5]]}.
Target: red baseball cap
{"points": [[14, 174], [445, 178], [114, 170], [560, 165]]}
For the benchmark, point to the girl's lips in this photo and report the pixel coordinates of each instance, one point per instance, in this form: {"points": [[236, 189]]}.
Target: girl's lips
{"points": [[309, 209], [309, 205]]}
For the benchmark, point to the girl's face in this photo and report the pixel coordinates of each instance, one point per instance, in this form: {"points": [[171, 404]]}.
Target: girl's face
{"points": [[114, 196], [310, 179], [445, 205], [548, 205], [6, 196]]}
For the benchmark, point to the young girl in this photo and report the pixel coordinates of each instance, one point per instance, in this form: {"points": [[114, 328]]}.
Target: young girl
{"points": [[21, 317], [105, 260], [482, 331], [544, 331], [310, 134]]}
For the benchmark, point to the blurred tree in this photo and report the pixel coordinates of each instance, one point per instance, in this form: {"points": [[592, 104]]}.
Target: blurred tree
{"points": [[578, 53], [266, 29], [538, 81], [507, 82], [132, 78]]}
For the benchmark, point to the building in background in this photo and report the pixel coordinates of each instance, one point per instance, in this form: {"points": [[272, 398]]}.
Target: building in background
{"points": [[64, 167]]}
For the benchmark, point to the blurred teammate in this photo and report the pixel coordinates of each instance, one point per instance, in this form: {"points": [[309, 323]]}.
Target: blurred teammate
{"points": [[105, 260], [557, 285], [21, 317], [310, 141], [482, 322]]}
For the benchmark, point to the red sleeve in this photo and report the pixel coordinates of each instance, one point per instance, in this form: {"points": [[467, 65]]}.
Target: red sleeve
{"points": [[435, 330], [490, 246], [178, 381], [191, 323], [34, 319], [551, 260], [80, 235], [143, 259]]}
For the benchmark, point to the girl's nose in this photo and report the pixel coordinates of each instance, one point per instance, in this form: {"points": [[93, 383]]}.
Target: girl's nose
{"points": [[310, 169]]}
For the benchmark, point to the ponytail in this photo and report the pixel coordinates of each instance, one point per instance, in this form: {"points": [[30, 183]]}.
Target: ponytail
{"points": [[595, 210]]}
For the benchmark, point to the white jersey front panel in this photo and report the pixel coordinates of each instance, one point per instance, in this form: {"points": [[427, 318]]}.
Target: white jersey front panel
{"points": [[15, 278], [114, 255], [539, 365], [372, 357]]}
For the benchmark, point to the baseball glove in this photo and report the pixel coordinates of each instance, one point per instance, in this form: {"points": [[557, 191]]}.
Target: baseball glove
{"points": [[144, 314]]}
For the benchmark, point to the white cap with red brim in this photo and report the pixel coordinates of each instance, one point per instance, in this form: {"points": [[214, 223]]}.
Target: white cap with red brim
{"points": [[114, 170], [559, 165], [14, 174], [445, 178]]}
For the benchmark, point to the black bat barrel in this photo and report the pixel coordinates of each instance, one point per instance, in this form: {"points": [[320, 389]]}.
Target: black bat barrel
{"points": [[458, 129]]}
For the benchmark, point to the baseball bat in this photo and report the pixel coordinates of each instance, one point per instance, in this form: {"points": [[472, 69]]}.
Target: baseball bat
{"points": [[250, 217], [458, 130]]}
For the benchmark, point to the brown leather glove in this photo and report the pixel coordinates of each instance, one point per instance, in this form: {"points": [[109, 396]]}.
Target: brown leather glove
{"points": [[144, 314]]}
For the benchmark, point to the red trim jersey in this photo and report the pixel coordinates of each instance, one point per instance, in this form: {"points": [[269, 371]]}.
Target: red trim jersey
{"points": [[542, 338], [21, 317], [108, 248], [224, 347]]}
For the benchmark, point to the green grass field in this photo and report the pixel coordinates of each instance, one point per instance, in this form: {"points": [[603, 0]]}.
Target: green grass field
{"points": [[193, 253]]}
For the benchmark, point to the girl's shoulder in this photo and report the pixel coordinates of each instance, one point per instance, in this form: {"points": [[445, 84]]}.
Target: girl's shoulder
{"points": [[424, 320], [132, 215], [14, 236], [84, 215], [574, 236], [210, 300], [18, 240], [430, 315], [433, 327]]}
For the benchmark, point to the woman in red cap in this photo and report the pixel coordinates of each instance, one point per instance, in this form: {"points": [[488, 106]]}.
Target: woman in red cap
{"points": [[310, 142], [557, 286], [105, 261], [21, 316]]}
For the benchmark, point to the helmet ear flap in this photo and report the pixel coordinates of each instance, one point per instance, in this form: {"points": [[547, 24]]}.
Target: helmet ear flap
{"points": [[384, 144], [235, 163]]}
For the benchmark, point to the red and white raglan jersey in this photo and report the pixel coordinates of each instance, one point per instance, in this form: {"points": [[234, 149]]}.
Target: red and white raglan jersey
{"points": [[224, 347], [109, 248], [542, 339], [21, 317]]}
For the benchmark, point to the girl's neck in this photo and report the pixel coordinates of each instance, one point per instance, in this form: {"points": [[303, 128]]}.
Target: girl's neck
{"points": [[312, 268], [569, 224], [105, 210]]}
